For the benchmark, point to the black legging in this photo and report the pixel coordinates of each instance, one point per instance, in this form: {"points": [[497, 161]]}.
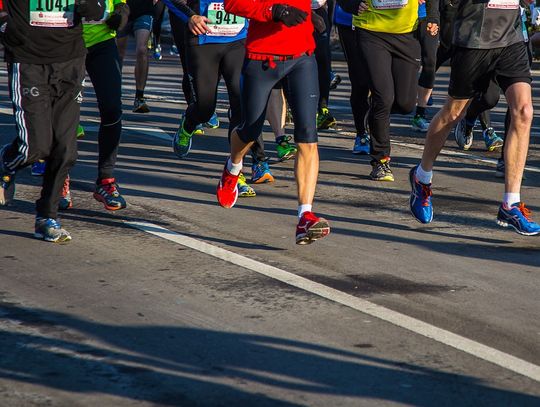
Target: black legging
{"points": [[428, 45], [178, 29], [391, 61], [323, 56], [159, 12], [103, 67], [357, 76]]}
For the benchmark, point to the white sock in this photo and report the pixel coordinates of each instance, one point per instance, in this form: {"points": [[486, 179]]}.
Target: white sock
{"points": [[511, 198], [233, 168], [303, 208], [424, 177]]}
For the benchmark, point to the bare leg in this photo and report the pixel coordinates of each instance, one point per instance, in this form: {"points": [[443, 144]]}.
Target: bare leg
{"points": [[238, 148], [306, 170], [519, 100], [141, 65], [423, 96], [440, 128]]}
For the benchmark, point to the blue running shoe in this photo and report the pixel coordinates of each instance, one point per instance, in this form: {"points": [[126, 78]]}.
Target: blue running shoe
{"points": [[420, 200], [260, 173], [361, 144], [492, 140], [181, 142], [38, 168], [518, 217], [49, 229], [213, 122]]}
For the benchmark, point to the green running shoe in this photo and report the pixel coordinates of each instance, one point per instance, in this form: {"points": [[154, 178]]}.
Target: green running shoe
{"points": [[325, 120], [244, 189], [285, 150], [80, 131], [182, 142]]}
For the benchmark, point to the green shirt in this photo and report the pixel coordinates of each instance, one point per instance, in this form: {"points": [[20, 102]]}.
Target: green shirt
{"points": [[95, 32]]}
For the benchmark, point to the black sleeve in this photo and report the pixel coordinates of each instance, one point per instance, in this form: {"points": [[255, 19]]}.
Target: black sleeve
{"points": [[183, 7], [432, 11], [350, 6]]}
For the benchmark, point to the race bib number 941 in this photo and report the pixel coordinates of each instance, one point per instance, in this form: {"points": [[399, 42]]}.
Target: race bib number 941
{"points": [[223, 24], [52, 13]]}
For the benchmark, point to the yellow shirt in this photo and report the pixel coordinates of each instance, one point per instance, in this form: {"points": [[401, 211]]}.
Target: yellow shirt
{"points": [[389, 16]]}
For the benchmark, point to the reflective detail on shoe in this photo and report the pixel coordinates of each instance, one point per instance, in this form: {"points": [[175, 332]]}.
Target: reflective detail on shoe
{"points": [[464, 137], [49, 229], [361, 144], [492, 140], [157, 53], [227, 189], [108, 194], [174, 50], [311, 228], [420, 123], [7, 182], [244, 190], [325, 120], [381, 170], [420, 198], [519, 218], [213, 122], [140, 106], [260, 173], [285, 150], [65, 198], [182, 142], [335, 80], [80, 131], [38, 168]]}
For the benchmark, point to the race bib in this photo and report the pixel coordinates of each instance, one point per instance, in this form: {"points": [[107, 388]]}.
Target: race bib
{"points": [[503, 4], [389, 4], [223, 24], [52, 13]]}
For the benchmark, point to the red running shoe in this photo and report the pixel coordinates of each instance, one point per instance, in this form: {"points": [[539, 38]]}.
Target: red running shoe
{"points": [[311, 228], [227, 189]]}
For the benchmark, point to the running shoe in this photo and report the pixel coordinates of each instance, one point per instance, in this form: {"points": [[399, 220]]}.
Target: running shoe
{"points": [[420, 123], [420, 199], [492, 140], [199, 130], [157, 53], [381, 170], [213, 123], [499, 170], [182, 142], [174, 50], [107, 193], [463, 135], [285, 150], [38, 168], [244, 190], [335, 80], [519, 218], [361, 144], [227, 189], [260, 173], [49, 229], [140, 106], [311, 228], [7, 188], [325, 120], [65, 198], [80, 131]]}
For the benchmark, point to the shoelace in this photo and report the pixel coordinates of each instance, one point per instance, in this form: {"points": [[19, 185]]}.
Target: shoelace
{"points": [[526, 212], [426, 194], [109, 188]]}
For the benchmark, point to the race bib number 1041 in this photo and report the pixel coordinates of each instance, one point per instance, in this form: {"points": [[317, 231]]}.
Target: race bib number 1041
{"points": [[52, 13]]}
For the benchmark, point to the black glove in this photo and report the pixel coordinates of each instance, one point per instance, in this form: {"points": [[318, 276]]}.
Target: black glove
{"points": [[288, 15], [91, 10], [119, 17]]}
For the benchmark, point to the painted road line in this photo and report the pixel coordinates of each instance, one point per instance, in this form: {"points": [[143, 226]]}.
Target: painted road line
{"points": [[461, 343]]}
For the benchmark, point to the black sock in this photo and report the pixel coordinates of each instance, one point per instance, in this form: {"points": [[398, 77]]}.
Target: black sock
{"points": [[420, 111], [139, 94]]}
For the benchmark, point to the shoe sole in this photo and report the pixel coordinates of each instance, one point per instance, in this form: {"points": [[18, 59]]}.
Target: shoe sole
{"points": [[506, 225], [317, 231], [263, 180], [383, 179], [59, 240], [100, 199], [287, 156], [495, 146]]}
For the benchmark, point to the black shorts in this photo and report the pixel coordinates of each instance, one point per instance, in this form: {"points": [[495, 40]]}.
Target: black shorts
{"points": [[473, 69]]}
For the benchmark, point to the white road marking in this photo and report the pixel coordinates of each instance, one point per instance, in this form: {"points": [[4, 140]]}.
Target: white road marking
{"points": [[461, 343]]}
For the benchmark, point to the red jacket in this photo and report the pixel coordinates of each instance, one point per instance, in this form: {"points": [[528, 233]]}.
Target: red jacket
{"points": [[269, 38]]}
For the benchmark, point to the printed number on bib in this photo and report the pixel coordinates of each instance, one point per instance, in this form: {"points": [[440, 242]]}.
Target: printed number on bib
{"points": [[52, 13], [223, 24], [503, 4], [389, 4]]}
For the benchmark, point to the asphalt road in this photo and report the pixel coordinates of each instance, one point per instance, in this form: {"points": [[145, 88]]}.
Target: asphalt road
{"points": [[365, 317]]}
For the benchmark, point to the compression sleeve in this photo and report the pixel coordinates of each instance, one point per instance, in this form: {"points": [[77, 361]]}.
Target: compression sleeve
{"points": [[181, 5], [432, 11], [178, 13], [258, 10]]}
